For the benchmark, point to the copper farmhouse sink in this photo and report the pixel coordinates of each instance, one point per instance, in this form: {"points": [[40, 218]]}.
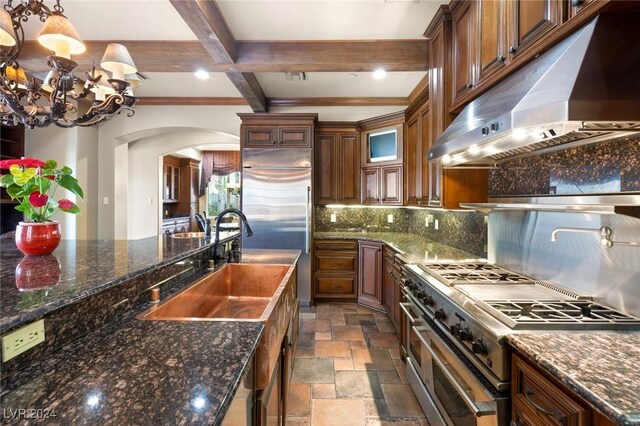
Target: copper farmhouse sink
{"points": [[235, 292]]}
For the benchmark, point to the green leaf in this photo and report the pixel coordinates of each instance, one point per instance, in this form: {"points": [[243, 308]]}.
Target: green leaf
{"points": [[21, 177], [26, 208], [44, 183], [51, 164], [14, 190], [6, 180], [66, 170], [70, 183], [25, 191]]}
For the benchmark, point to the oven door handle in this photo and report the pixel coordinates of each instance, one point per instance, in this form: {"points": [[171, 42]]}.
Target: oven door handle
{"points": [[479, 409], [406, 311]]}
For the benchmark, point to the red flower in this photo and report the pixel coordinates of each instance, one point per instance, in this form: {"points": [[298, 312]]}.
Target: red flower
{"points": [[37, 199], [26, 162], [65, 204]]}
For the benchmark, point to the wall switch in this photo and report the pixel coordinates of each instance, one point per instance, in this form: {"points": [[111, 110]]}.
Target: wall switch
{"points": [[389, 218], [149, 201], [333, 218], [426, 221], [486, 219], [105, 201], [21, 340], [436, 224]]}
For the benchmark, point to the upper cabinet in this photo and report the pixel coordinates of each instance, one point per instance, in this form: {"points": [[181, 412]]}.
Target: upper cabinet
{"points": [[464, 47], [529, 20], [337, 164], [492, 37], [277, 130], [416, 166]]}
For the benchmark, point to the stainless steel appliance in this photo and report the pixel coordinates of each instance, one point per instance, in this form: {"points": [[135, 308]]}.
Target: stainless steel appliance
{"points": [[276, 198], [576, 92], [457, 317]]}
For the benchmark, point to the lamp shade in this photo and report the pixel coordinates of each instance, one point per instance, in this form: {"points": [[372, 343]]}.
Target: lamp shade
{"points": [[59, 35], [7, 34], [117, 60], [134, 80]]}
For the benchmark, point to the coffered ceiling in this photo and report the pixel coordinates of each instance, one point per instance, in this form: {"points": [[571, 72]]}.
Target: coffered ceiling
{"points": [[246, 45]]}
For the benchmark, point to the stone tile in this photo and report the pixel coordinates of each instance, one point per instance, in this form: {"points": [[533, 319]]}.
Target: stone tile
{"points": [[333, 412], [373, 421], [299, 400], [389, 376], [394, 353], [324, 391], [375, 408], [347, 332], [338, 321], [372, 359], [359, 319], [317, 325], [298, 421], [359, 344], [308, 315], [313, 371], [343, 364], [333, 349], [383, 340], [365, 310], [401, 401], [385, 325], [306, 340], [370, 328], [323, 336], [305, 353], [358, 384], [401, 368]]}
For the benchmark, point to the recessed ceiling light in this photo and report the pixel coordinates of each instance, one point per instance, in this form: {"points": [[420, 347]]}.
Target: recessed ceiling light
{"points": [[353, 75], [201, 74], [379, 74]]}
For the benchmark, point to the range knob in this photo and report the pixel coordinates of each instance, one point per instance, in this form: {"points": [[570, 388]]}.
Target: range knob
{"points": [[441, 315], [427, 300], [478, 347], [409, 284], [455, 330], [465, 335]]}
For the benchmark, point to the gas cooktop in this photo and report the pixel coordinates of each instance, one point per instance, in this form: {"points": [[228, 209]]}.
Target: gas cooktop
{"points": [[473, 273]]}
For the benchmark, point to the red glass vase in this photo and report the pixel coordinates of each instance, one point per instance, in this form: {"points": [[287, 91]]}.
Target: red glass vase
{"points": [[35, 238], [38, 273]]}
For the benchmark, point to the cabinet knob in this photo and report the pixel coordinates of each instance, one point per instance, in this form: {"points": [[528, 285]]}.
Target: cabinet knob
{"points": [[469, 85], [576, 3], [513, 50], [501, 58]]}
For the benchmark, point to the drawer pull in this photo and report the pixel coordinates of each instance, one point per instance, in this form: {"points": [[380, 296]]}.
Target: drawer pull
{"points": [[553, 414]]}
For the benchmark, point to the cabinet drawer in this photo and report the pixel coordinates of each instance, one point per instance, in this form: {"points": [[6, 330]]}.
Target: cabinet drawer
{"points": [[259, 136], [341, 245], [294, 136], [335, 286], [336, 262], [534, 393]]}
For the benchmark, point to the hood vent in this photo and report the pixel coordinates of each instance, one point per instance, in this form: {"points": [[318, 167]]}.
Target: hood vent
{"points": [[583, 90]]}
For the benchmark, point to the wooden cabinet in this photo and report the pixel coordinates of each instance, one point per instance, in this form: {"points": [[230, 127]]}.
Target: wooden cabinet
{"points": [[530, 20], [270, 409], [264, 130], [241, 408], [416, 166], [337, 165], [463, 48], [171, 183], [492, 38], [370, 182], [388, 283], [370, 276], [11, 146], [391, 185], [335, 270], [578, 6]]}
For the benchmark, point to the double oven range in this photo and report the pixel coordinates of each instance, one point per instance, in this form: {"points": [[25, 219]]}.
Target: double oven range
{"points": [[457, 315]]}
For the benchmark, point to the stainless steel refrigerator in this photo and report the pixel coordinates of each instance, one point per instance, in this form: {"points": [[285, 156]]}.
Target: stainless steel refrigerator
{"points": [[276, 198]]}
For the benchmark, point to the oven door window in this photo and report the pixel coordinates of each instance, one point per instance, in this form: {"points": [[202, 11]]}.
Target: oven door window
{"points": [[415, 343], [458, 392]]}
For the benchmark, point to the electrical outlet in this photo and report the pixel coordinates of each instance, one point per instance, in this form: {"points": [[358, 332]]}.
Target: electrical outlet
{"points": [[436, 224], [21, 340], [486, 219], [389, 218], [105, 201], [333, 218], [426, 221]]}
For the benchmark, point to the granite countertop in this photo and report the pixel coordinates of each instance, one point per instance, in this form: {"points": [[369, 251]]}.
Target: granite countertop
{"points": [[31, 286], [602, 368], [134, 371], [412, 248]]}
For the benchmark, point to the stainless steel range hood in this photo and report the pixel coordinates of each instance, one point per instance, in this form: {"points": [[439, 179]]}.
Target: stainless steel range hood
{"points": [[583, 90]]}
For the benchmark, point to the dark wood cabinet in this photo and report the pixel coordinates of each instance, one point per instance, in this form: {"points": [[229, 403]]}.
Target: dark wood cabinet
{"points": [[337, 165], [416, 166], [492, 37], [391, 185], [530, 20], [578, 6], [270, 410], [370, 276], [464, 24], [265, 130], [335, 266], [370, 182], [241, 408], [388, 283]]}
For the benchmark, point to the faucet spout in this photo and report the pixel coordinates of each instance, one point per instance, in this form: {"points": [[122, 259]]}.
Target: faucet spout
{"points": [[247, 229], [604, 232]]}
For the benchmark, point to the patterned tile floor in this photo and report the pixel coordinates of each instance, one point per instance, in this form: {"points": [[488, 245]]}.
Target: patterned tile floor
{"points": [[348, 371]]}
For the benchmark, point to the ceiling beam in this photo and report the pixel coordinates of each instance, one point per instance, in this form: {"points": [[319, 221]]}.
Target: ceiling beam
{"points": [[174, 100], [337, 101], [252, 56], [206, 21]]}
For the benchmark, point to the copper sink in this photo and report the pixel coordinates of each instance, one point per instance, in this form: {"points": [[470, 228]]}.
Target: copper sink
{"points": [[188, 235], [245, 292]]}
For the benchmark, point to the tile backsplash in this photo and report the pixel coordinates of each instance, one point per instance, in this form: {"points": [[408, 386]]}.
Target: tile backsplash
{"points": [[465, 230]]}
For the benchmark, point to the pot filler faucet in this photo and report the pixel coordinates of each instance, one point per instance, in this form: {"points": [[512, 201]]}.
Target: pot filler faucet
{"points": [[243, 219], [604, 232]]}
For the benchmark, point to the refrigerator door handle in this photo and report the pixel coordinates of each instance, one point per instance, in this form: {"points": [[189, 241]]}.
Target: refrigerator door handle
{"points": [[308, 221]]}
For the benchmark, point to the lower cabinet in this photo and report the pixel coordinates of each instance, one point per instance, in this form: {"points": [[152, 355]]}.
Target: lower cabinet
{"points": [[240, 412], [270, 409], [335, 277], [370, 276]]}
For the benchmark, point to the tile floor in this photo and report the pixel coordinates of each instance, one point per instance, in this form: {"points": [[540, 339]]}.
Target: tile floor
{"points": [[348, 371]]}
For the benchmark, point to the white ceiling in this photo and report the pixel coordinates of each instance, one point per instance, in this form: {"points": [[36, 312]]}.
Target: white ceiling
{"points": [[186, 84]]}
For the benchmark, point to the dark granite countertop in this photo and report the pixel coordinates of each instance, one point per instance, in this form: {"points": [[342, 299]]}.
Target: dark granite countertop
{"points": [[31, 286], [133, 371], [602, 368], [412, 248]]}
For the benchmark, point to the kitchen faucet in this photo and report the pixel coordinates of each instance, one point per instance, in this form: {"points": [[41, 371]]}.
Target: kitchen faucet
{"points": [[605, 236], [243, 219]]}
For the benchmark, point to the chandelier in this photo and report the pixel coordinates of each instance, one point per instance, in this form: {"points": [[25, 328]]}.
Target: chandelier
{"points": [[36, 103]]}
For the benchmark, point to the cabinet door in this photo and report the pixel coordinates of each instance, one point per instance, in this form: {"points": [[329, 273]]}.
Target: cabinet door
{"points": [[529, 21], [423, 175], [348, 147], [259, 136], [396, 312], [335, 287], [269, 407], [370, 185], [577, 6], [413, 161], [370, 277], [464, 49], [325, 168], [335, 261], [492, 36], [388, 295], [391, 187], [294, 136]]}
